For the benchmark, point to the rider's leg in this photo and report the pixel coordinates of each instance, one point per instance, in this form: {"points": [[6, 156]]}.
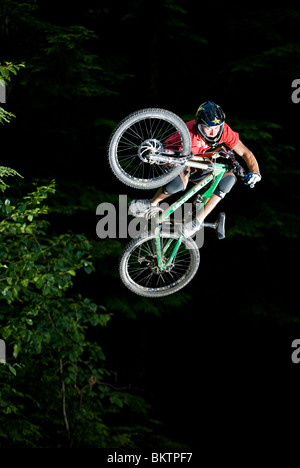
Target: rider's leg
{"points": [[159, 196], [208, 207], [142, 207], [224, 187], [176, 185]]}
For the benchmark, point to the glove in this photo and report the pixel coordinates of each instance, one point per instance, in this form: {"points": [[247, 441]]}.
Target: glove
{"points": [[251, 179]]}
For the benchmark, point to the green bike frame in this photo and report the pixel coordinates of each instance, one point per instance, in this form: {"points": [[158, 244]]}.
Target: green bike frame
{"points": [[215, 176]]}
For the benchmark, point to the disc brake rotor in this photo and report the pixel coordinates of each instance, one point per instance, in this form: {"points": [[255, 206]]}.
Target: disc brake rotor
{"points": [[149, 147]]}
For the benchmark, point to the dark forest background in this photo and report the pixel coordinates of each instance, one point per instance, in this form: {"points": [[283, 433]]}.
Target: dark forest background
{"points": [[216, 356]]}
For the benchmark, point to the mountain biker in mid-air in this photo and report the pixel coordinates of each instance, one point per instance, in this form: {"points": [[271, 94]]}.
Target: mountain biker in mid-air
{"points": [[207, 131]]}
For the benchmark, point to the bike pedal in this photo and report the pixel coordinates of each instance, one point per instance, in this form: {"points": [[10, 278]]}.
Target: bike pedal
{"points": [[220, 225]]}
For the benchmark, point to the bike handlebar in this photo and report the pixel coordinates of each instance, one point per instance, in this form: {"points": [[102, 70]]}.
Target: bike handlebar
{"points": [[225, 153], [206, 158]]}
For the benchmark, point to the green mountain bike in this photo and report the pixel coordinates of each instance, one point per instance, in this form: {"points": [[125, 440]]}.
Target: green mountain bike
{"points": [[163, 261]]}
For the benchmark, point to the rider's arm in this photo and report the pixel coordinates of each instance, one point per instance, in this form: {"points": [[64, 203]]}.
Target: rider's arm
{"points": [[248, 156]]}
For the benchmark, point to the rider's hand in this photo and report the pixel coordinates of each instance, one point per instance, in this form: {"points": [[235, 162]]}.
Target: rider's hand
{"points": [[252, 178]]}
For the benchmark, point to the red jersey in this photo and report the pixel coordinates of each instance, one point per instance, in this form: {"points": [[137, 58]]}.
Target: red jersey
{"points": [[199, 145]]}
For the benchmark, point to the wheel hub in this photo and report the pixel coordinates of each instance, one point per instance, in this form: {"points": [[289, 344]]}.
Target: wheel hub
{"points": [[149, 147], [151, 262]]}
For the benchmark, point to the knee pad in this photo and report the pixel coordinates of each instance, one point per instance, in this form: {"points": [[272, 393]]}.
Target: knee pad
{"points": [[176, 185], [225, 185]]}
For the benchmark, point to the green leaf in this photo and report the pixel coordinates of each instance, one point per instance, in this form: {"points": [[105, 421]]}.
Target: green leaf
{"points": [[16, 350], [12, 370]]}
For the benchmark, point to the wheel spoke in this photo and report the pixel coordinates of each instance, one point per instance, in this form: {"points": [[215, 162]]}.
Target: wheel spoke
{"points": [[132, 160]]}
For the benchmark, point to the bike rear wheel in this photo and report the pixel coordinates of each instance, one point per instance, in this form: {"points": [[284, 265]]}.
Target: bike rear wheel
{"points": [[140, 273], [136, 137]]}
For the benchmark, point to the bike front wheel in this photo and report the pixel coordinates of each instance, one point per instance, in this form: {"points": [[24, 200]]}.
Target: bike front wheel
{"points": [[139, 270], [141, 134]]}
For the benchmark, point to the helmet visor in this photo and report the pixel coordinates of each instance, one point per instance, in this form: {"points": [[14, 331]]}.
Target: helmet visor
{"points": [[210, 131], [211, 134]]}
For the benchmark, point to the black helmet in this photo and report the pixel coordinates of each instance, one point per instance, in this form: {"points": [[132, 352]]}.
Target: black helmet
{"points": [[210, 114]]}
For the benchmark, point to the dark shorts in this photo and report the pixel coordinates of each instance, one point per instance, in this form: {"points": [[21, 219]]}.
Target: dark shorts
{"points": [[177, 185]]}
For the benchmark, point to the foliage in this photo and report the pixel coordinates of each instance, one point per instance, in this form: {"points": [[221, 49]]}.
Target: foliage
{"points": [[6, 70], [59, 57], [87, 67], [6, 172], [55, 380]]}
